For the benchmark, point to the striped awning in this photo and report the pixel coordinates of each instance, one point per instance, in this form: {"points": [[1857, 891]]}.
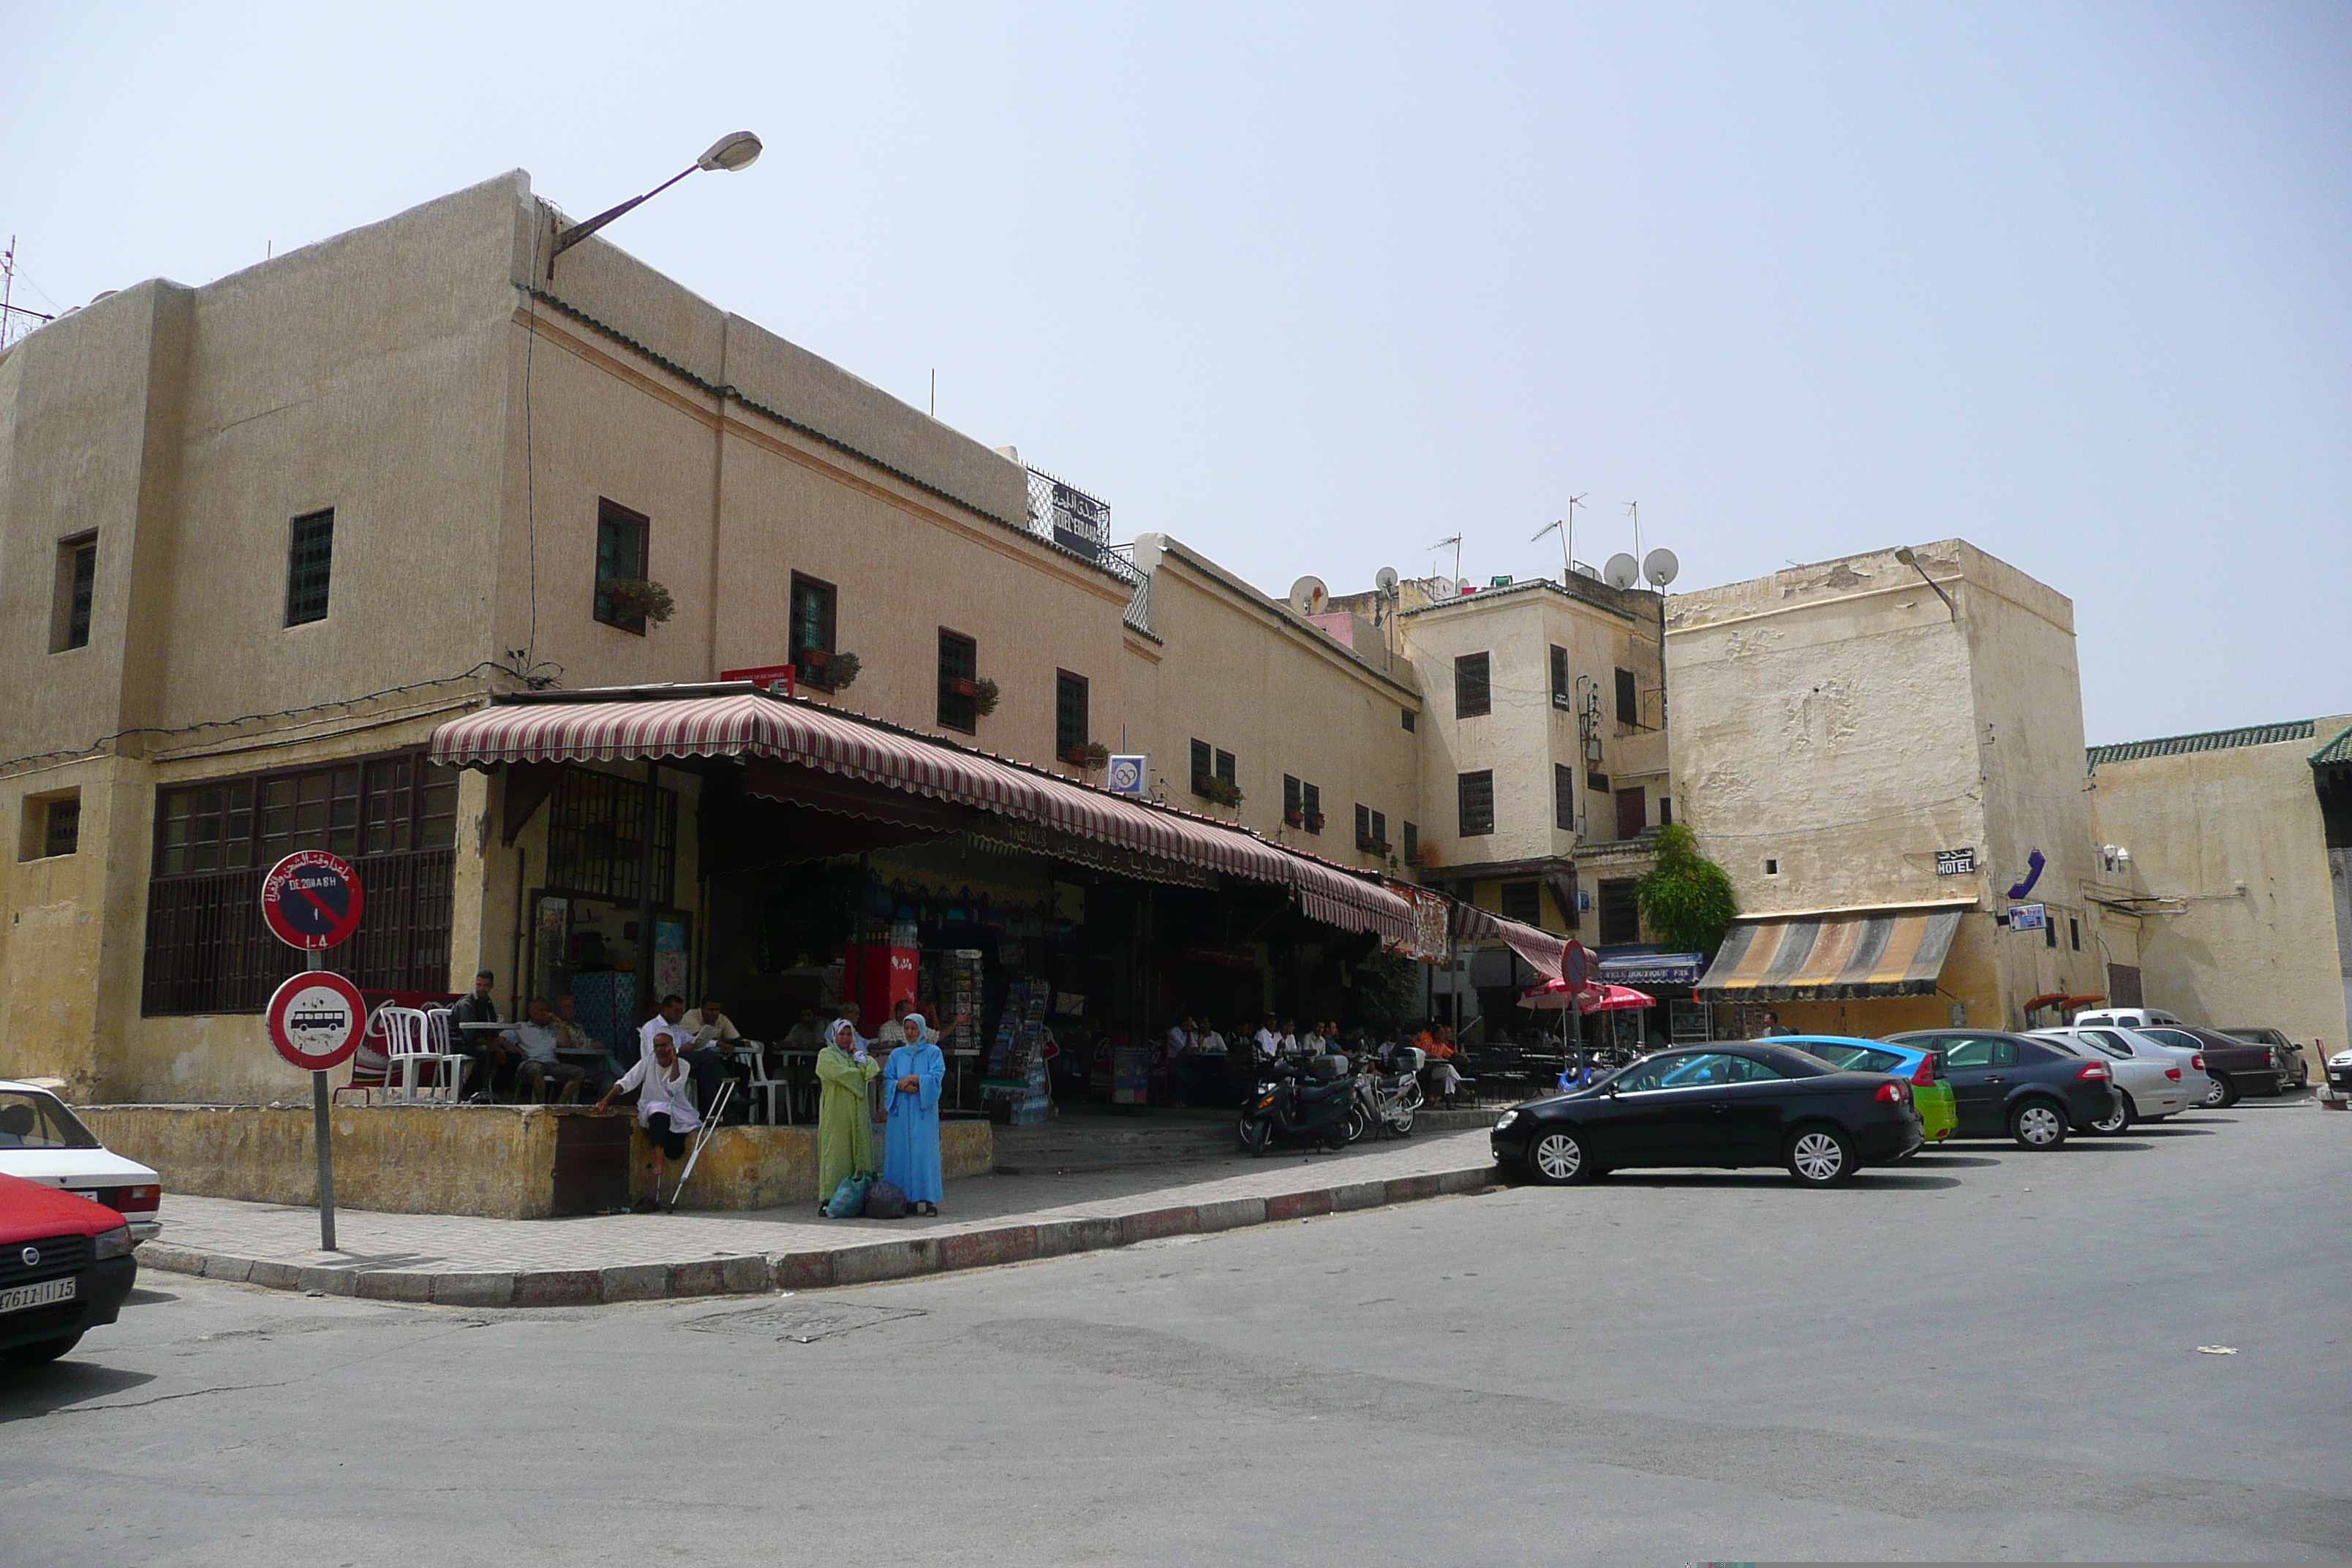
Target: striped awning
{"points": [[1542, 950], [1830, 957], [583, 727]]}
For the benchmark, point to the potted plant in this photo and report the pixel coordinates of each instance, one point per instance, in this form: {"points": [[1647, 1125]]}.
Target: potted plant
{"points": [[840, 670], [1293, 820], [1097, 756], [1372, 846], [1314, 822], [637, 599], [1221, 790], [983, 696]]}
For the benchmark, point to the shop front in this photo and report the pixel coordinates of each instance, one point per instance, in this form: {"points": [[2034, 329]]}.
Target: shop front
{"points": [[1867, 972]]}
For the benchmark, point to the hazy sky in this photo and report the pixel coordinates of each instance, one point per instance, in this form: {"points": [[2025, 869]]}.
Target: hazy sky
{"points": [[1312, 288]]}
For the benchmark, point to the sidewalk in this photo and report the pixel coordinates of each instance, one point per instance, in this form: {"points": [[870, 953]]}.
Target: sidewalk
{"points": [[457, 1260]]}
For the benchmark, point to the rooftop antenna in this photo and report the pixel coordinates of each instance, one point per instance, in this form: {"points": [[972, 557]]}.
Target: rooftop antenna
{"points": [[1456, 543], [9, 310], [1567, 527], [1635, 507]]}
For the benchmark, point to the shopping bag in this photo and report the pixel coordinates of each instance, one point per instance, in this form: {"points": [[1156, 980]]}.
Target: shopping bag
{"points": [[883, 1200], [849, 1198]]}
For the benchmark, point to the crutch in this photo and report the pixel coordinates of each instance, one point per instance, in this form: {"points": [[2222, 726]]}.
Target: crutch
{"points": [[702, 1136]]}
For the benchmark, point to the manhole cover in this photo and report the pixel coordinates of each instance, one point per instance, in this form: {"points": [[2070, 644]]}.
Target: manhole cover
{"points": [[802, 1323]]}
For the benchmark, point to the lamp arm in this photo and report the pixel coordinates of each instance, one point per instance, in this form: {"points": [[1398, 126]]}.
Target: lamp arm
{"points": [[580, 231]]}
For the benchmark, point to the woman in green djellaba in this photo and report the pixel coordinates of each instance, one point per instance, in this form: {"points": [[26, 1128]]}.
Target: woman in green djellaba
{"points": [[845, 1122]]}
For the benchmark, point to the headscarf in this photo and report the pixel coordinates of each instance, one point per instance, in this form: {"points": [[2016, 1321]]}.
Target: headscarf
{"points": [[841, 1036], [920, 1027]]}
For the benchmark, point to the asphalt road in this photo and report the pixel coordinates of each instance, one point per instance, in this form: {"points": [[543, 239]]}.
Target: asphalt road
{"points": [[1985, 1355]]}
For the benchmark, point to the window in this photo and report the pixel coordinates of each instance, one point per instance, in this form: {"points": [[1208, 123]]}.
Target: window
{"points": [[1225, 767], [33, 1119], [814, 606], [1665, 811], [1621, 912], [2049, 932], [51, 826], [959, 682], [1405, 714], [1311, 799], [1473, 690], [77, 584], [396, 819], [620, 557], [1629, 699], [1474, 802], [1380, 827], [1978, 1051], [310, 558], [1596, 781], [1294, 808], [1651, 1074], [1522, 902], [595, 838], [1563, 694], [1563, 797], [1632, 812], [1070, 736], [2074, 934], [1363, 824], [1771, 868], [1412, 843], [1203, 766]]}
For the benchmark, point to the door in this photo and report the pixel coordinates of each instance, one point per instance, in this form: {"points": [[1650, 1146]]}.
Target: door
{"points": [[1667, 1110], [1632, 812], [1978, 1067], [1750, 1115]]}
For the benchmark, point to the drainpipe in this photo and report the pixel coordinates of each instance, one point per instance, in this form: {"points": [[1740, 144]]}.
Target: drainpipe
{"points": [[646, 893]]}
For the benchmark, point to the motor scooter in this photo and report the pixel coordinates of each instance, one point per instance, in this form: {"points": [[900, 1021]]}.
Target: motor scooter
{"points": [[1304, 1105]]}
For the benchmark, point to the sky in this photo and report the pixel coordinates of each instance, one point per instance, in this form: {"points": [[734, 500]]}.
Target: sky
{"points": [[1312, 288]]}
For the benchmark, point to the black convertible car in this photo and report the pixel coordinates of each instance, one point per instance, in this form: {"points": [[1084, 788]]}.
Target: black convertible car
{"points": [[1751, 1103]]}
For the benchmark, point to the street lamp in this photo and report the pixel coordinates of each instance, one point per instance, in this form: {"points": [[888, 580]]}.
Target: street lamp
{"points": [[736, 150]]}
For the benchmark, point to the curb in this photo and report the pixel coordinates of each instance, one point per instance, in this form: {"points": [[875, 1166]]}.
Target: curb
{"points": [[863, 1264]]}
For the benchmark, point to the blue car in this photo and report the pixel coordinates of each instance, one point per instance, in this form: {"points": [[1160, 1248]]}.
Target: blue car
{"points": [[1923, 1069]]}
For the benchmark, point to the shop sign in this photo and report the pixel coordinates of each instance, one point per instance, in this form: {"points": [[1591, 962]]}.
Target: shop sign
{"points": [[1653, 969], [1127, 774], [775, 679], [2028, 917], [1430, 921], [1955, 862]]}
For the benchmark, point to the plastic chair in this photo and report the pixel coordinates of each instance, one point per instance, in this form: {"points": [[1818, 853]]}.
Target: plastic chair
{"points": [[409, 1052], [369, 1081], [764, 1089]]}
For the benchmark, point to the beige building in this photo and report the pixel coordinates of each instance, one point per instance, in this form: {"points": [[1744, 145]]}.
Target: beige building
{"points": [[2225, 860], [1883, 752], [259, 538]]}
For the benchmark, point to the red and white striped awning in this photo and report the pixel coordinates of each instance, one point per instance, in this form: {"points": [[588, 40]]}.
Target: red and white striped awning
{"points": [[1542, 950], [582, 729]]}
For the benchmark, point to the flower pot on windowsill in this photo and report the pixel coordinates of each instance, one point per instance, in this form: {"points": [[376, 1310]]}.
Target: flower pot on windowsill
{"points": [[1076, 756], [1372, 846], [1293, 820], [1314, 822], [957, 686], [1223, 792], [983, 697], [1096, 756]]}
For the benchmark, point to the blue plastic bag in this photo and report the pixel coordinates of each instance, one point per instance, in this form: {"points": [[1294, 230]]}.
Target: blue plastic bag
{"points": [[848, 1199]]}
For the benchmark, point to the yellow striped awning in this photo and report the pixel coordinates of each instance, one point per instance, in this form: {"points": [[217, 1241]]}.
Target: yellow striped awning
{"points": [[1831, 957]]}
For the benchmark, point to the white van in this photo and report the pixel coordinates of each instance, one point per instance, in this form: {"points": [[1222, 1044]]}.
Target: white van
{"points": [[2123, 1018]]}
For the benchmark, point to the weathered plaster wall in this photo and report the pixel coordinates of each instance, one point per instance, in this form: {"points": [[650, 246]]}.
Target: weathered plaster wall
{"points": [[2199, 824]]}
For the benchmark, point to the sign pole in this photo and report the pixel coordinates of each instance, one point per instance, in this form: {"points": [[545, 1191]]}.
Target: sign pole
{"points": [[319, 1095]]}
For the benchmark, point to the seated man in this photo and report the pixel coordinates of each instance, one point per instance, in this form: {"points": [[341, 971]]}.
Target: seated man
{"points": [[536, 1038], [713, 1051], [490, 1061], [665, 1110]]}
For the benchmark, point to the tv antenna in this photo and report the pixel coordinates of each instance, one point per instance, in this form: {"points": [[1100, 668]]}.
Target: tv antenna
{"points": [[1567, 527], [1456, 543], [9, 309]]}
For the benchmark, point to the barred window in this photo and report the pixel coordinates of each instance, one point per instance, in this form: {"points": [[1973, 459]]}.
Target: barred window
{"points": [[595, 837], [1563, 797], [1474, 802], [1522, 902], [621, 556], [1474, 691], [309, 563], [959, 682], [1070, 735], [76, 587]]}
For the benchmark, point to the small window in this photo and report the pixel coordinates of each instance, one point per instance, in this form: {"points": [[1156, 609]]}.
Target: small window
{"points": [[816, 607], [1629, 699], [2074, 934], [1203, 766], [1474, 802], [1632, 812], [1225, 767], [1364, 825], [310, 561], [1380, 827], [2049, 932], [1596, 781], [1563, 696], [1621, 912], [620, 558], [1473, 690], [1563, 797], [52, 825], [959, 682], [76, 586], [1771, 868], [1294, 807], [1522, 902], [1070, 735], [1412, 843], [1311, 799], [1405, 714], [1665, 811]]}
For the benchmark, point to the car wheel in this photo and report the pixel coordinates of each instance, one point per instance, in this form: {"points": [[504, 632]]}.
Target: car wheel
{"points": [[2120, 1121], [1820, 1156], [40, 1350], [1557, 1157], [2220, 1093], [2038, 1125]]}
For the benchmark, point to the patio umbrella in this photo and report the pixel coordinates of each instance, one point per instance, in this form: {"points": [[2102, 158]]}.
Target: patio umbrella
{"points": [[1619, 998], [1554, 995]]}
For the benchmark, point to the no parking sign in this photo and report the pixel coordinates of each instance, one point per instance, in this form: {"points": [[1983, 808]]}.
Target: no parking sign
{"points": [[312, 901]]}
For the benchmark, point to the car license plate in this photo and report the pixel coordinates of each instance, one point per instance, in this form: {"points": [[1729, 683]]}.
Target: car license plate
{"points": [[45, 1293]]}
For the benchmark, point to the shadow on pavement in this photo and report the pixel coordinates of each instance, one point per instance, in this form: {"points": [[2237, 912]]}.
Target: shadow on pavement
{"points": [[1875, 1177], [1947, 1161], [142, 1295], [37, 1390]]}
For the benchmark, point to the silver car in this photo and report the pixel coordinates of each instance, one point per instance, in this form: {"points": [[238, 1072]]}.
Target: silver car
{"points": [[2155, 1081]]}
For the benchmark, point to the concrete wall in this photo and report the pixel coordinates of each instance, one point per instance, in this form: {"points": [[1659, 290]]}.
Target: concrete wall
{"points": [[2235, 837]]}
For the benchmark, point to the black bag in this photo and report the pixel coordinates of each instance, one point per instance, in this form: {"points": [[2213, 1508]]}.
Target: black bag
{"points": [[885, 1201]]}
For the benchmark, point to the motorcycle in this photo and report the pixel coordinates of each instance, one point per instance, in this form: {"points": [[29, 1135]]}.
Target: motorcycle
{"points": [[1307, 1105], [1386, 1099]]}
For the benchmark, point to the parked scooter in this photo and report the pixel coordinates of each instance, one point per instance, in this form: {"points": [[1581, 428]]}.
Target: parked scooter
{"points": [[1386, 1099], [1307, 1104]]}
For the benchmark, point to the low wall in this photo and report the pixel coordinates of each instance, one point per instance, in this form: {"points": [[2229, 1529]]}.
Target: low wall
{"points": [[497, 1162]]}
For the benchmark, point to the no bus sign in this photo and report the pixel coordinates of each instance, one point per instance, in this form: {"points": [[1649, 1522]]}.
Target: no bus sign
{"points": [[312, 901], [315, 1020]]}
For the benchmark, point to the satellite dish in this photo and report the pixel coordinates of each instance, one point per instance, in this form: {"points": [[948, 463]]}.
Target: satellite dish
{"points": [[1621, 571], [1444, 588], [1308, 596], [1660, 566], [1385, 579]]}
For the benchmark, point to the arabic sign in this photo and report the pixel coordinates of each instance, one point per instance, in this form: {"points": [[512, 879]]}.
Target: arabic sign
{"points": [[312, 901], [1955, 862]]}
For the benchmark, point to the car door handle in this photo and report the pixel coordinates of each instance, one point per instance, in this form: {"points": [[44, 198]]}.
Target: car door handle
{"points": [[1996, 1080]]}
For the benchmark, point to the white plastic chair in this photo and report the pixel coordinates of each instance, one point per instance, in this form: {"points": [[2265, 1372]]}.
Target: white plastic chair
{"points": [[763, 1088], [409, 1049]]}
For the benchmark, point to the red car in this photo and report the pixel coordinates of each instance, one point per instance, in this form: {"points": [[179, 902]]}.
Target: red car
{"points": [[65, 1267]]}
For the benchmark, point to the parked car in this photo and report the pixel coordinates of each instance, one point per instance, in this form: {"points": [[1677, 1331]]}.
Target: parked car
{"points": [[2339, 1070], [42, 1140], [2124, 1017], [2150, 1087], [65, 1267], [1930, 1093], [2136, 1043], [2235, 1066], [2030, 1089], [1751, 1103], [2298, 1066]]}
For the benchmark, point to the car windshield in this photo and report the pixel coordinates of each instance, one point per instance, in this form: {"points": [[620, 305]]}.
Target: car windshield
{"points": [[2257, 1036], [1849, 1058], [31, 1119]]}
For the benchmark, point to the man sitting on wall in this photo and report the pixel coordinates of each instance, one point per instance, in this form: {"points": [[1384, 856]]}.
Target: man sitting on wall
{"points": [[665, 1108], [537, 1038], [712, 1054]]}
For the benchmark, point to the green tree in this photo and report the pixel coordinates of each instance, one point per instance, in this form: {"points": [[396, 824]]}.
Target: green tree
{"points": [[1687, 898]]}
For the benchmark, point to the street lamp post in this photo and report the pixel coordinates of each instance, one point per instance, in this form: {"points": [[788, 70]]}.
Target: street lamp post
{"points": [[737, 150]]}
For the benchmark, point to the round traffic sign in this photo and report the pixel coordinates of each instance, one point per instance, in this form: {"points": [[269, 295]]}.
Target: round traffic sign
{"points": [[311, 900], [315, 1019], [1576, 963]]}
